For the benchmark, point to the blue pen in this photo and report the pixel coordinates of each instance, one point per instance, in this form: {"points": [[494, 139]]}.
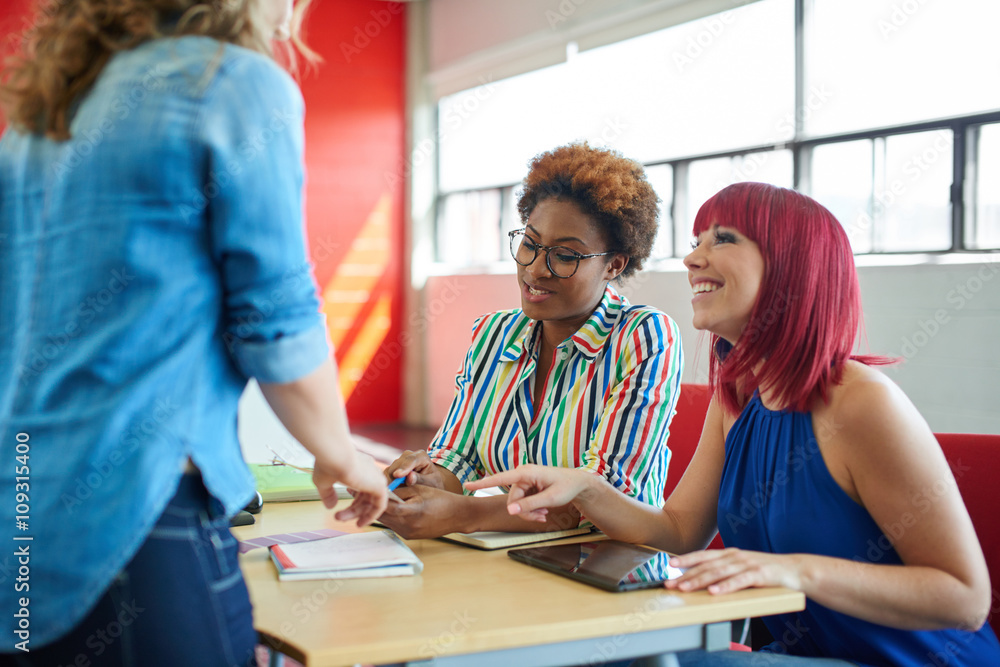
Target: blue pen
{"points": [[395, 484]]}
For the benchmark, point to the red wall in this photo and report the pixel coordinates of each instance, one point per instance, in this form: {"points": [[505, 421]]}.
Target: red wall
{"points": [[355, 149], [14, 23], [355, 146]]}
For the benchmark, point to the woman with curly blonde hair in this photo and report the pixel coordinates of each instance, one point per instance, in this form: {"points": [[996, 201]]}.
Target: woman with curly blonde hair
{"points": [[577, 377], [154, 260]]}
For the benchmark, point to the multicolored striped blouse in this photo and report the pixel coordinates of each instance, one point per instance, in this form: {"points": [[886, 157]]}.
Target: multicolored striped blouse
{"points": [[607, 405]]}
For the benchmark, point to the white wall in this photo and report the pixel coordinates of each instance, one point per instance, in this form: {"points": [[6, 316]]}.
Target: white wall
{"points": [[942, 318]]}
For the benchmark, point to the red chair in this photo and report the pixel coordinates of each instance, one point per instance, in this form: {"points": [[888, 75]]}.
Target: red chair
{"points": [[685, 431], [975, 463]]}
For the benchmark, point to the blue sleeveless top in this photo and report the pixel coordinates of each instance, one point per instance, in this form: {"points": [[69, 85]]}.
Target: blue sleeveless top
{"points": [[777, 495]]}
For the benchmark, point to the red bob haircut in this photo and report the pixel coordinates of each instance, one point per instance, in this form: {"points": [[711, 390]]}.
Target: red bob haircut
{"points": [[808, 312]]}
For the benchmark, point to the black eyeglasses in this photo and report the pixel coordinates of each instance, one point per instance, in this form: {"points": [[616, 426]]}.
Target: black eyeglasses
{"points": [[562, 262]]}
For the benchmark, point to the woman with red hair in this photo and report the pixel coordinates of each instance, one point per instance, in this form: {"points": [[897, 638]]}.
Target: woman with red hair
{"points": [[793, 466]]}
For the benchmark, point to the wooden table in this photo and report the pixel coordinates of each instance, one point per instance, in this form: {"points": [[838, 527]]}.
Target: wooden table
{"points": [[480, 608]]}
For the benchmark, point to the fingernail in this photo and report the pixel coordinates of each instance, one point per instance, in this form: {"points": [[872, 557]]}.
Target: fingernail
{"points": [[514, 509]]}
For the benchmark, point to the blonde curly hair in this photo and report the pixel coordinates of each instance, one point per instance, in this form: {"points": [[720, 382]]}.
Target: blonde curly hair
{"points": [[71, 41]]}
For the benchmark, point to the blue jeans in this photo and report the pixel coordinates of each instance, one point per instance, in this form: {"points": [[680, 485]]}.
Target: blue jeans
{"points": [[181, 601], [755, 659]]}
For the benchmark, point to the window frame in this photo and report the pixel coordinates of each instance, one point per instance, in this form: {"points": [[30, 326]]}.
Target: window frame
{"points": [[963, 129]]}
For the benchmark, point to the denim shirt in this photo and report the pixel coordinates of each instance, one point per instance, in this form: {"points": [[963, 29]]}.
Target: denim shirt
{"points": [[148, 267]]}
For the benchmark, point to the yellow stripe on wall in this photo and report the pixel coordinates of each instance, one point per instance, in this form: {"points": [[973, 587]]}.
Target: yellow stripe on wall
{"points": [[356, 359], [350, 288]]}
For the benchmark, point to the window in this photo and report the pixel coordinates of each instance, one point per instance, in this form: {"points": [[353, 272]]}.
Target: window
{"points": [[661, 177], [468, 231], [983, 217], [635, 96], [842, 179], [879, 63], [706, 177], [896, 130], [914, 196], [891, 193]]}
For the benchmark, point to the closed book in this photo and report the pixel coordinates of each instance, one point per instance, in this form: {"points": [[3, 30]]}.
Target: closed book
{"points": [[498, 540], [282, 483], [351, 556]]}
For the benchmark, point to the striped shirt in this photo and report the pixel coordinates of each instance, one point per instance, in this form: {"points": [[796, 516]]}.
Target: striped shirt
{"points": [[607, 404]]}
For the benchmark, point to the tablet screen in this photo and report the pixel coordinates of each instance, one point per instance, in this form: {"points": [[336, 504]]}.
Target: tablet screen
{"points": [[608, 564]]}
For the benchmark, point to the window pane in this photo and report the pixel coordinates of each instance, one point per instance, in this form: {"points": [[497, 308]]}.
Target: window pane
{"points": [[841, 179], [891, 194], [468, 229], [915, 197], [511, 218], [774, 167], [706, 177], [661, 177], [984, 232], [697, 87], [876, 63], [690, 89]]}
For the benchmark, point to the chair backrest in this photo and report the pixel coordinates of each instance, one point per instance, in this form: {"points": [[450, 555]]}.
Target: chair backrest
{"points": [[685, 431], [975, 462]]}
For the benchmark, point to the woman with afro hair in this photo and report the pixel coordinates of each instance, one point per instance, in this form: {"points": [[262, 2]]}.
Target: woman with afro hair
{"points": [[577, 377]]}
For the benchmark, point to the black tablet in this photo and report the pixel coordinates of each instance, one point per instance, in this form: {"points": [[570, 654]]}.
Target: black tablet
{"points": [[609, 564]]}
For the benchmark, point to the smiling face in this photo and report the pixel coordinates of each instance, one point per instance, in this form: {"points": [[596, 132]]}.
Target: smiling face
{"points": [[565, 304], [725, 270]]}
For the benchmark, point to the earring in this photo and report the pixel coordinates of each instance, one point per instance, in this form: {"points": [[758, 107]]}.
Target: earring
{"points": [[283, 32]]}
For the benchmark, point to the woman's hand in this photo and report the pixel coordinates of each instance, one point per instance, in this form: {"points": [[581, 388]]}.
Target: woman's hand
{"points": [[367, 486], [426, 511], [728, 570], [418, 468], [535, 489]]}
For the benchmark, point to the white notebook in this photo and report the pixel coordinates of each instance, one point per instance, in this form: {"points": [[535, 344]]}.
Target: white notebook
{"points": [[489, 539], [355, 555]]}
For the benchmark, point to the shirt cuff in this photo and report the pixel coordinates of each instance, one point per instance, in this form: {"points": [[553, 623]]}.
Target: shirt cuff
{"points": [[458, 466], [623, 484], [284, 359]]}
